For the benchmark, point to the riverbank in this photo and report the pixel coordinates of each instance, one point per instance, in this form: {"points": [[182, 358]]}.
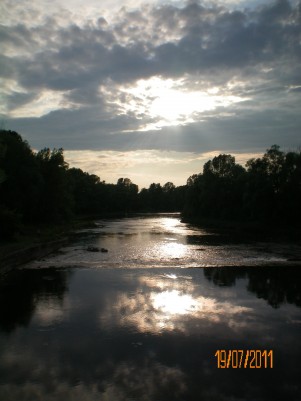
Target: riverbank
{"points": [[270, 231], [37, 241]]}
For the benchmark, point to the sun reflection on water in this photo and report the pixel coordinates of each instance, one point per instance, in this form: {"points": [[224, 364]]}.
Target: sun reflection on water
{"points": [[170, 223], [173, 225], [173, 302], [172, 250]]}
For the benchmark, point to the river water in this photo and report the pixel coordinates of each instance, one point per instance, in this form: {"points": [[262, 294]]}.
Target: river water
{"points": [[162, 240], [143, 322]]}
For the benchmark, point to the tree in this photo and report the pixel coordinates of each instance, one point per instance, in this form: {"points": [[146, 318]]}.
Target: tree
{"points": [[20, 176], [217, 193], [223, 166], [126, 195], [55, 196], [2, 154], [85, 189]]}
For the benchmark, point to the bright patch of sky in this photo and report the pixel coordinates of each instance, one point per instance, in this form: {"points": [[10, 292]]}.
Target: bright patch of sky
{"points": [[145, 166], [43, 103], [170, 103]]}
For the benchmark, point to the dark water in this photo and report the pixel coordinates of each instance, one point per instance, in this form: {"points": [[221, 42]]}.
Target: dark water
{"points": [[107, 334]]}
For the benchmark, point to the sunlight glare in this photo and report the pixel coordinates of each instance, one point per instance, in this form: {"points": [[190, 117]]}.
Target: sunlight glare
{"points": [[168, 102], [173, 276], [173, 302], [170, 223], [173, 249]]}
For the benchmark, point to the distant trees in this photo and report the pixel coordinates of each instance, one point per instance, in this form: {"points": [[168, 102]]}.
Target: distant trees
{"points": [[40, 187], [156, 198]]}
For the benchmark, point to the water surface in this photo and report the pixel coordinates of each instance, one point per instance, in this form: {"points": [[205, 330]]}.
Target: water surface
{"points": [[165, 241], [97, 332]]}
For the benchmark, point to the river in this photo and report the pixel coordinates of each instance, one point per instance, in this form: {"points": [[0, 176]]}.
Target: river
{"points": [[154, 318], [162, 240]]}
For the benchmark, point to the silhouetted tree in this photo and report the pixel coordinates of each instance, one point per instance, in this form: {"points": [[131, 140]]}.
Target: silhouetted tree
{"points": [[126, 195], [20, 183], [217, 193], [87, 197], [55, 200], [269, 190], [155, 197], [273, 187], [36, 187]]}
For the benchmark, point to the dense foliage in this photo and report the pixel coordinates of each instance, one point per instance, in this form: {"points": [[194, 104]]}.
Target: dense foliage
{"points": [[40, 187], [267, 191]]}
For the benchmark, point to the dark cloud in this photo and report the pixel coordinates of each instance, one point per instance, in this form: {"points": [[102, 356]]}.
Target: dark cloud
{"points": [[17, 99], [86, 129], [20, 37], [192, 39]]}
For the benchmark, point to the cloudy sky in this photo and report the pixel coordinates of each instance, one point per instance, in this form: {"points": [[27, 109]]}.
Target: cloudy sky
{"points": [[151, 90]]}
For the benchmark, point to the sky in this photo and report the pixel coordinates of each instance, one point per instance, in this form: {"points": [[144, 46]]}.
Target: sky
{"points": [[150, 90]]}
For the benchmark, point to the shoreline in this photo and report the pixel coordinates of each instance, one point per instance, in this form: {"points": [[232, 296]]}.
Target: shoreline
{"points": [[270, 231], [29, 253], [38, 241]]}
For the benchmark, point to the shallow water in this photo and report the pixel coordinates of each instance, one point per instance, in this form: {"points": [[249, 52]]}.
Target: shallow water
{"points": [[111, 334], [164, 241]]}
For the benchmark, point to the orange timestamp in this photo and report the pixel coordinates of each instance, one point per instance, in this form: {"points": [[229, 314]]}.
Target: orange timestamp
{"points": [[239, 358]]}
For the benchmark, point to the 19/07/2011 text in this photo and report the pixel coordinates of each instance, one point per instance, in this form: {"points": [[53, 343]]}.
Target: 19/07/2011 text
{"points": [[238, 358]]}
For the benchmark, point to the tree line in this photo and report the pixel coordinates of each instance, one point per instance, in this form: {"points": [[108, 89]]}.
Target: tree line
{"points": [[267, 190], [38, 187]]}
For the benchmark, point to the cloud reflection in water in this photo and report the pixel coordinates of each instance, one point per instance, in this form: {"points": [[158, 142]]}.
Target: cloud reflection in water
{"points": [[170, 302], [148, 335]]}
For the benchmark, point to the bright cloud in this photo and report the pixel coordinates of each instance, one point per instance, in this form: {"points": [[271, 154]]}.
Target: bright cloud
{"points": [[170, 103], [43, 103]]}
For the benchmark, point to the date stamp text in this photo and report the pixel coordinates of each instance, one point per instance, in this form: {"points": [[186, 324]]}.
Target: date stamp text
{"points": [[239, 358]]}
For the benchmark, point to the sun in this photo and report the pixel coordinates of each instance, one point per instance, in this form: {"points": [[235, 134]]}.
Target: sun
{"points": [[169, 103], [175, 106]]}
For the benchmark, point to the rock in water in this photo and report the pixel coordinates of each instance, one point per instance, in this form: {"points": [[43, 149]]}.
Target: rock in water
{"points": [[92, 249]]}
